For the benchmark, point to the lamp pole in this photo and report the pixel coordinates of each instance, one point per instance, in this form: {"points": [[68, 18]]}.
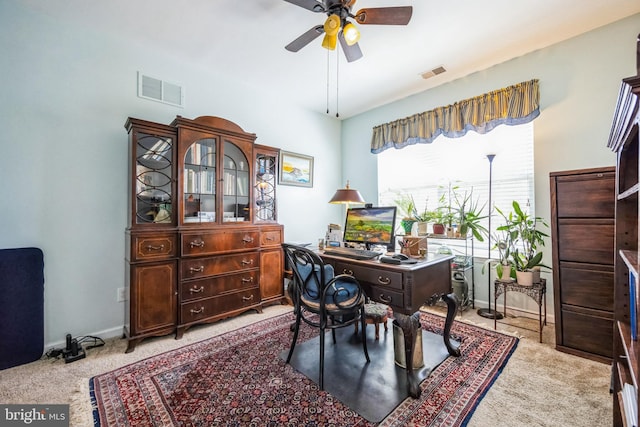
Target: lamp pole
{"points": [[488, 312]]}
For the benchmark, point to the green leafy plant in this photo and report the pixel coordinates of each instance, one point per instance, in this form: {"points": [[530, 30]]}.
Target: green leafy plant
{"points": [[469, 216], [523, 231]]}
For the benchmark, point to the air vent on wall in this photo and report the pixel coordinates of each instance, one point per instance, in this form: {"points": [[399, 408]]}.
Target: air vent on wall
{"points": [[434, 72], [159, 90]]}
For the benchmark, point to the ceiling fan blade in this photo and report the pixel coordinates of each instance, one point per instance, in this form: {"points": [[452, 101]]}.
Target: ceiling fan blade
{"points": [[305, 39], [400, 15], [353, 52], [311, 5]]}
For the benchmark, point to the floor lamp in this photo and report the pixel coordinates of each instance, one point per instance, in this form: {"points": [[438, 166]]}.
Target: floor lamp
{"points": [[488, 312]]}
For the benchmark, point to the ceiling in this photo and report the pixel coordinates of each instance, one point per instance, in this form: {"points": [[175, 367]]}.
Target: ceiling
{"points": [[243, 40]]}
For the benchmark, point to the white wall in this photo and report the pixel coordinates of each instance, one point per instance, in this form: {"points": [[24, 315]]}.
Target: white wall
{"points": [[67, 93], [579, 82]]}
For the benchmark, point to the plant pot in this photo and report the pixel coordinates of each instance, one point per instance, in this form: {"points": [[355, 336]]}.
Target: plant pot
{"points": [[506, 273], [422, 228], [407, 224], [524, 278], [536, 274], [438, 228]]}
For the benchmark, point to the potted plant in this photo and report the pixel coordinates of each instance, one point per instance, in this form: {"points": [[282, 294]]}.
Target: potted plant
{"points": [[527, 239], [469, 217], [407, 208], [424, 218]]}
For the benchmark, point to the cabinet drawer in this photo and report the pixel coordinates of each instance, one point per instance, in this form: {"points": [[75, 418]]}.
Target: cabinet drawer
{"points": [[586, 285], [270, 237], [212, 286], [201, 309], [586, 241], [158, 246], [593, 334], [586, 196], [391, 279], [385, 295], [203, 267], [195, 244]]}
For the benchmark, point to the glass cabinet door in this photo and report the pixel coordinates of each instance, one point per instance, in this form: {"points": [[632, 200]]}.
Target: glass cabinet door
{"points": [[200, 181], [235, 182], [265, 186], [153, 179]]}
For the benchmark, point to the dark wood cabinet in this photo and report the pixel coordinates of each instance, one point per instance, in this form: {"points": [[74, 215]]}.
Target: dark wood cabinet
{"points": [[624, 141], [202, 242], [582, 218]]}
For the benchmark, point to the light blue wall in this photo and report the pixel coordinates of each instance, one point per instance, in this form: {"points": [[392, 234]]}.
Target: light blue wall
{"points": [[579, 82], [67, 92]]}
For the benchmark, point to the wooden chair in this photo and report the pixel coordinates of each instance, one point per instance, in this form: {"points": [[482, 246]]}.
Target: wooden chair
{"points": [[323, 300]]}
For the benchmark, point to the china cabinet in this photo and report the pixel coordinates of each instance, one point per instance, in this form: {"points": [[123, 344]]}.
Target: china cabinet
{"points": [[203, 243]]}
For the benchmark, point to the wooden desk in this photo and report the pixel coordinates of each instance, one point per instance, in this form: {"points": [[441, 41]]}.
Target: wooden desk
{"points": [[537, 291], [405, 288]]}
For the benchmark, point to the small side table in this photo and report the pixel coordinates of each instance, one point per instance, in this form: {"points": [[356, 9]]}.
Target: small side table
{"points": [[537, 291]]}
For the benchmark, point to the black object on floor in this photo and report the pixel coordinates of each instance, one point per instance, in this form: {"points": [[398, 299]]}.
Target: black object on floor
{"points": [[375, 389], [21, 306]]}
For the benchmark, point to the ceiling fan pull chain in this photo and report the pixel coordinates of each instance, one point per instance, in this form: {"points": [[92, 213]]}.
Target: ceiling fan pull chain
{"points": [[327, 81], [337, 79]]}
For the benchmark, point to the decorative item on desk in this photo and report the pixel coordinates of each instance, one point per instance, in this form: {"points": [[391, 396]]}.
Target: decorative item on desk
{"points": [[413, 245]]}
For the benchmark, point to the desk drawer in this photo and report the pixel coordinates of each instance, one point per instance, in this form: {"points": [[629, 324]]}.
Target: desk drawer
{"points": [[386, 296], [374, 276], [202, 309], [212, 286], [203, 267]]}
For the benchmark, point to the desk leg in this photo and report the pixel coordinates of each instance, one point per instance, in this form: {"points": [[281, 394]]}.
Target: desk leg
{"points": [[452, 308], [410, 326]]}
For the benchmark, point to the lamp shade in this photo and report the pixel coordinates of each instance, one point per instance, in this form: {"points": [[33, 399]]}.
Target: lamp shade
{"points": [[347, 195]]}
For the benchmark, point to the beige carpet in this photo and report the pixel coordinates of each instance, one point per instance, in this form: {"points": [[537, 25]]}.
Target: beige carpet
{"points": [[539, 386]]}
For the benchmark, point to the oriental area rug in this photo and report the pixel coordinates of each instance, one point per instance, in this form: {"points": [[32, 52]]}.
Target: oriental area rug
{"points": [[238, 379]]}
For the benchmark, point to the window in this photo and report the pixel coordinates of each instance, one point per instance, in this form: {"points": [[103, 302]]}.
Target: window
{"points": [[427, 171]]}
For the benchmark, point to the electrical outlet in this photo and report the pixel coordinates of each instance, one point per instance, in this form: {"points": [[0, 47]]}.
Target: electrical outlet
{"points": [[120, 295]]}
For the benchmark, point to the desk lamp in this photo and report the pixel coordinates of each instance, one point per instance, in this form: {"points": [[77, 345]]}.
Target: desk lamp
{"points": [[347, 195]]}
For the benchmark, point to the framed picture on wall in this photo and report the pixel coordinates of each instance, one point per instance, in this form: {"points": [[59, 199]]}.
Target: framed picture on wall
{"points": [[295, 169]]}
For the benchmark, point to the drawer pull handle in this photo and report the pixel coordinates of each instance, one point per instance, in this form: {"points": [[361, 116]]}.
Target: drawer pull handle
{"points": [[155, 248], [247, 239], [247, 298], [385, 300], [198, 311], [196, 269], [247, 280], [197, 243], [196, 290], [384, 280], [349, 272], [269, 239], [247, 262]]}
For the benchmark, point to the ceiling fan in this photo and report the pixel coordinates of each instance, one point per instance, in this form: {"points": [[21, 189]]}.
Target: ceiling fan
{"points": [[337, 25]]}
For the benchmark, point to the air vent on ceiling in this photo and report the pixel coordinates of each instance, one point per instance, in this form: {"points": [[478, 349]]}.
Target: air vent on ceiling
{"points": [[159, 90], [438, 70]]}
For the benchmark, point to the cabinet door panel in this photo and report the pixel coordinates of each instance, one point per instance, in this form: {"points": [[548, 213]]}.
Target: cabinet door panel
{"points": [[590, 242], [153, 297], [588, 333], [586, 196], [271, 268], [587, 286]]}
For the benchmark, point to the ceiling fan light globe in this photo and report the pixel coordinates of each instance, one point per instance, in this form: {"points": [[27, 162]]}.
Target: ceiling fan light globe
{"points": [[329, 42], [332, 25], [351, 34]]}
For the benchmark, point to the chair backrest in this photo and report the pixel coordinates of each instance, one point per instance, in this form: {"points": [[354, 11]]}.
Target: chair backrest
{"points": [[303, 262]]}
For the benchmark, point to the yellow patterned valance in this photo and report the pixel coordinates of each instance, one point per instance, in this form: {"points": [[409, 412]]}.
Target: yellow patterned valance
{"points": [[512, 105]]}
